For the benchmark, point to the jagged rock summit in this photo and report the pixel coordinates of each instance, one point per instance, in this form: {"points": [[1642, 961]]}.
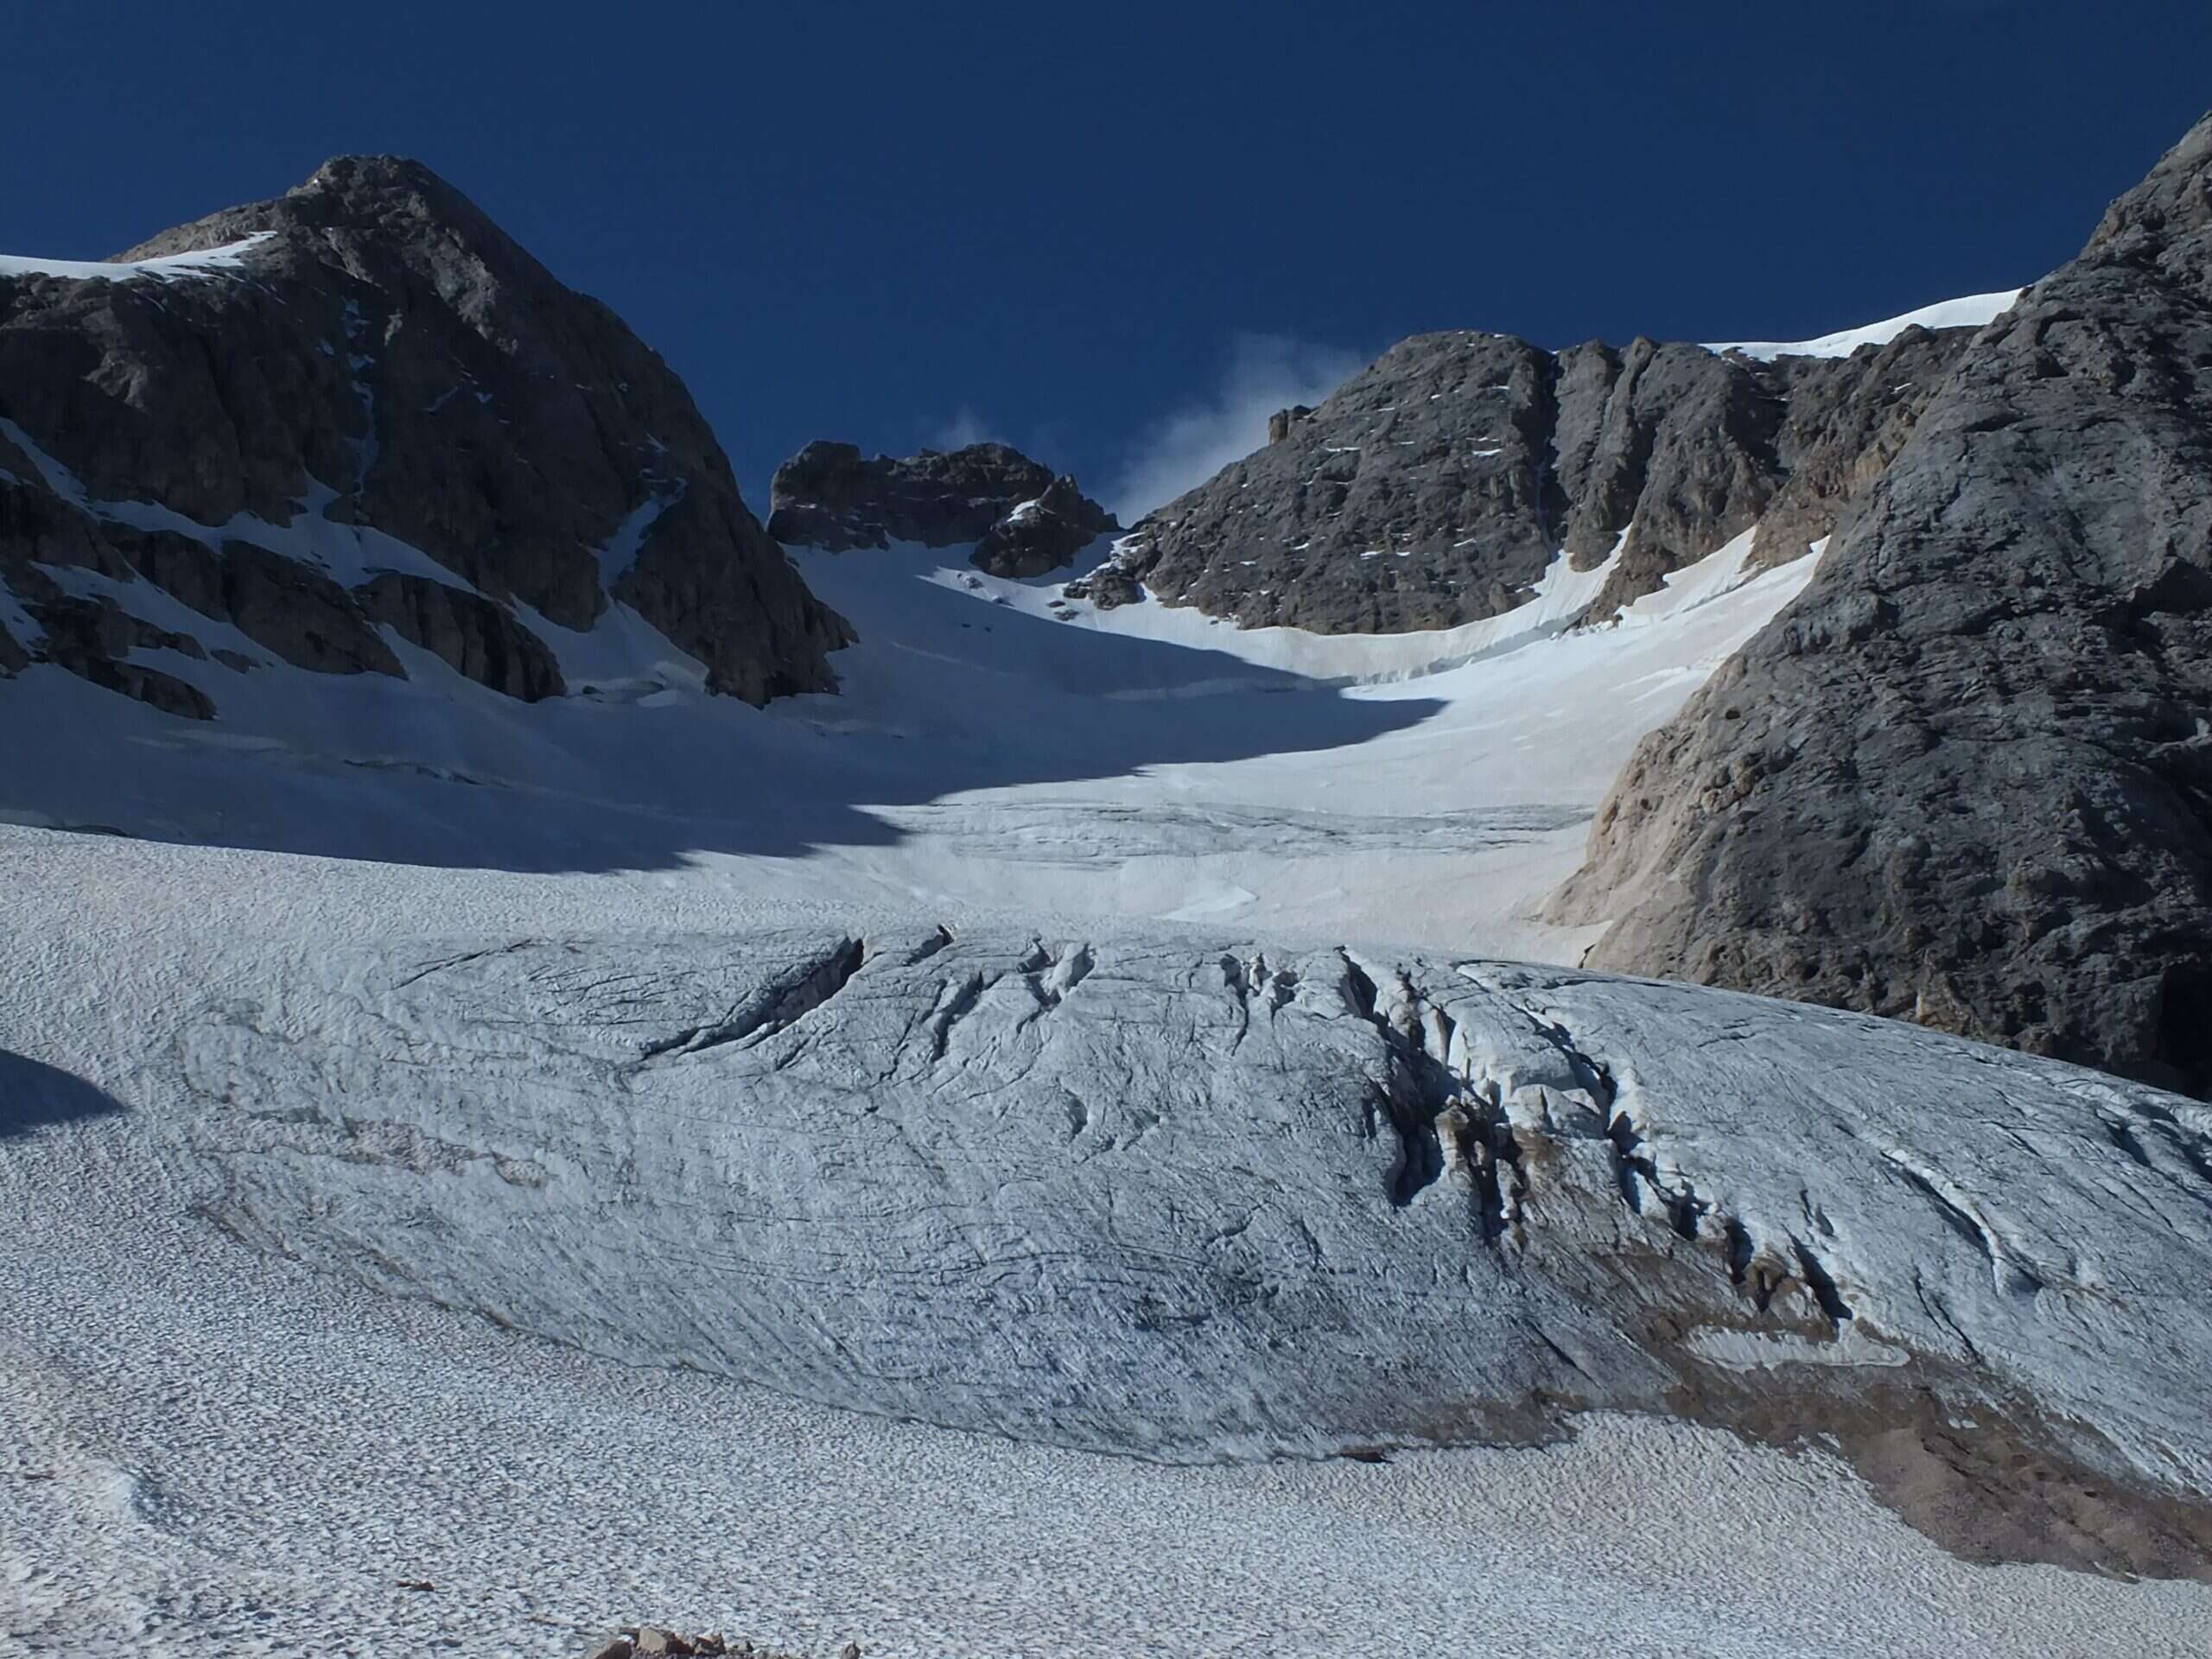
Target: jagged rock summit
{"points": [[1023, 520], [355, 413], [1437, 486], [1967, 778]]}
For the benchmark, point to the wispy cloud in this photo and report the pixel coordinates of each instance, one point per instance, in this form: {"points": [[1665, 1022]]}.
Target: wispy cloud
{"points": [[1263, 373], [966, 427]]}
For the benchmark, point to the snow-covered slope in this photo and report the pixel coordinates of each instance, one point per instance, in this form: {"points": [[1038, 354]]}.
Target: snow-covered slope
{"points": [[167, 267], [993, 744], [1145, 1193], [1971, 311]]}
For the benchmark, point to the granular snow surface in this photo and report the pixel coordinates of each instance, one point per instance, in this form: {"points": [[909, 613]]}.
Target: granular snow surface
{"points": [[215, 1451], [211, 1450]]}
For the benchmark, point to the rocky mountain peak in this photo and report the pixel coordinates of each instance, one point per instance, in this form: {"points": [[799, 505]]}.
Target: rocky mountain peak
{"points": [[367, 408], [385, 175], [378, 215], [1023, 519]]}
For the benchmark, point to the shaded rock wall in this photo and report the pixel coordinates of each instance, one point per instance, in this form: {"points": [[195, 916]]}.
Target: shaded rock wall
{"points": [[1967, 778], [382, 361]]}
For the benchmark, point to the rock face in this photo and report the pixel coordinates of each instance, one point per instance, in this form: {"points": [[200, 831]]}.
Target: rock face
{"points": [[474, 636], [361, 405], [1967, 778], [1435, 488], [1043, 534], [1024, 520], [1201, 1201], [650, 1642]]}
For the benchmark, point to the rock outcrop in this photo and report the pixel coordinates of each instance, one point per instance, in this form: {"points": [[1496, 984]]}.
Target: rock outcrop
{"points": [[1967, 778], [1024, 521], [362, 406], [1436, 486], [1042, 534], [474, 636], [1194, 1201], [653, 1642]]}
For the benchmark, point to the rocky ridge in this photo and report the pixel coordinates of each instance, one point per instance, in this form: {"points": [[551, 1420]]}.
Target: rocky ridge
{"points": [[1023, 520], [1436, 486], [1967, 778], [354, 411]]}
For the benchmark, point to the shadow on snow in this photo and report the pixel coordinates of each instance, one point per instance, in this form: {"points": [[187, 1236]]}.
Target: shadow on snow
{"points": [[945, 693]]}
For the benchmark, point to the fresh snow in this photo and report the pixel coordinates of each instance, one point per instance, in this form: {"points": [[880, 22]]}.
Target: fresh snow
{"points": [[169, 268], [1555, 604], [1971, 311]]}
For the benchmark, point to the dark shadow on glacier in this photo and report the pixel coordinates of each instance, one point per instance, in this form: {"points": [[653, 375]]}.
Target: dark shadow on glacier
{"points": [[946, 693], [35, 1096]]}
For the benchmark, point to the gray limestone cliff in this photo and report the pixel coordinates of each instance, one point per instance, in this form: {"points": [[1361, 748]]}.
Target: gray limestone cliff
{"points": [[1966, 777], [1435, 487]]}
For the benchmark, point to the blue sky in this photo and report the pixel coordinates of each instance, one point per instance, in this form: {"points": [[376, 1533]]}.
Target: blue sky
{"points": [[1115, 234]]}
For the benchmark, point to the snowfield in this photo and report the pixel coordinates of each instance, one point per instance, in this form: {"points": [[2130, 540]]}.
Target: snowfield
{"points": [[1083, 1036], [169, 268], [995, 747], [1972, 311]]}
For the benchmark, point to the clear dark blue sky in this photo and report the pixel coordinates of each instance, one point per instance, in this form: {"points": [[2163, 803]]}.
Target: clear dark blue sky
{"points": [[1111, 233]]}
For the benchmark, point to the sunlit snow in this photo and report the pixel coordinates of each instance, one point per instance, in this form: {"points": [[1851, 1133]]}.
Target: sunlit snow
{"points": [[169, 268], [1972, 311]]}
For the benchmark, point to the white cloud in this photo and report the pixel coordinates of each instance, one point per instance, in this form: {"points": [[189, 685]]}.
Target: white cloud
{"points": [[1264, 372], [966, 427]]}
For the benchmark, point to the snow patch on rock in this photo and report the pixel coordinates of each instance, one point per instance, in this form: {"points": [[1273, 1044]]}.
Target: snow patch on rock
{"points": [[169, 268], [1972, 311]]}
